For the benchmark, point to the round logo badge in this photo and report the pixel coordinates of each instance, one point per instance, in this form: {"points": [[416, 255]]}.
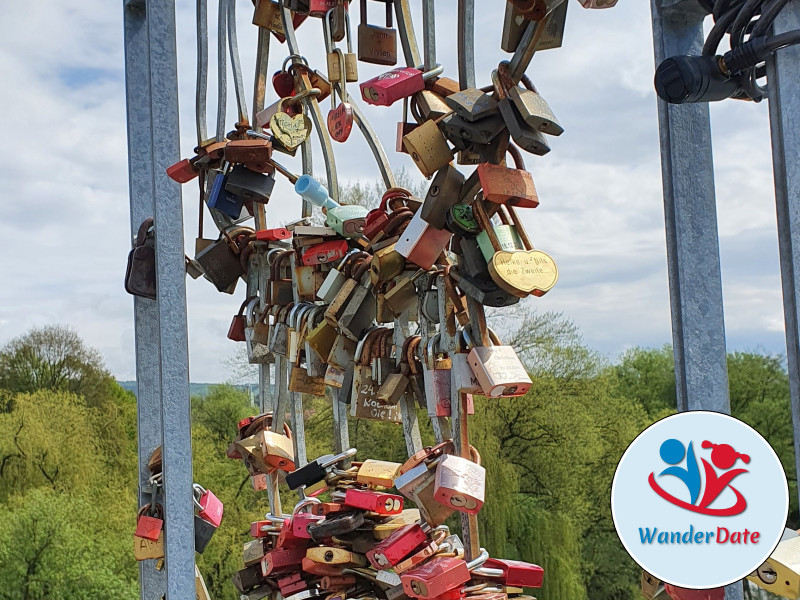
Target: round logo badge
{"points": [[699, 500]]}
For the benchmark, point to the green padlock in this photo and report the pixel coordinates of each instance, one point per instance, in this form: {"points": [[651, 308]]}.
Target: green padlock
{"points": [[506, 234], [461, 221], [347, 221]]}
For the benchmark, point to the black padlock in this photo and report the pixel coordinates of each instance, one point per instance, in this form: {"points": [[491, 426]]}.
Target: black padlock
{"points": [[220, 265], [203, 532], [256, 187], [335, 525], [484, 291], [140, 276], [315, 471]]}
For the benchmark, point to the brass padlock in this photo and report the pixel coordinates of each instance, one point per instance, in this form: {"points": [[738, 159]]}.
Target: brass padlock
{"points": [[377, 45], [334, 63], [444, 192], [377, 473], [525, 137], [428, 148], [144, 549], [535, 111]]}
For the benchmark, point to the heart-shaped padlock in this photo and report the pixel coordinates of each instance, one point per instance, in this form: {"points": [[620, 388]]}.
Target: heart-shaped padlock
{"points": [[290, 131], [340, 122]]}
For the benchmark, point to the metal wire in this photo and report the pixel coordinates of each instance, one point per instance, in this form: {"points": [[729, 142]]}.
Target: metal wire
{"points": [[202, 71], [222, 71], [236, 64]]}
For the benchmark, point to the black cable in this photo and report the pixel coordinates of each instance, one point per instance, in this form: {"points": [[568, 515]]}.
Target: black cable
{"points": [[790, 38]]}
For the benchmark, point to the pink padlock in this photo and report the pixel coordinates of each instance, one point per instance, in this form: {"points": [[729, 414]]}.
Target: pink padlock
{"points": [[209, 507], [301, 520], [399, 83]]}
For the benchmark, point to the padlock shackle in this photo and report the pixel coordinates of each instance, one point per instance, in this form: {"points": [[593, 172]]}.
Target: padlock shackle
{"points": [[303, 504], [339, 458], [479, 560]]}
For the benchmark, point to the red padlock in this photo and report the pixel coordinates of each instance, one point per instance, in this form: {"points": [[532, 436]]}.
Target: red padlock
{"points": [[388, 88], [182, 171], [283, 83], [377, 219], [209, 506], [273, 235], [282, 560], [149, 523], [260, 529], [292, 584], [677, 593], [287, 538], [319, 254], [397, 546], [517, 573], [236, 329], [435, 577], [334, 583], [319, 8], [377, 502]]}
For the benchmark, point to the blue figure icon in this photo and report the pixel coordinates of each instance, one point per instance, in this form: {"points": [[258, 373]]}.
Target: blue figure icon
{"points": [[672, 453]]}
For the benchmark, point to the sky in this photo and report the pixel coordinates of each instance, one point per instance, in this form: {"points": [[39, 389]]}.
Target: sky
{"points": [[64, 233]]}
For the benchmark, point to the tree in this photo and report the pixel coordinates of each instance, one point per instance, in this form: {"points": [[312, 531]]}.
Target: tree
{"points": [[647, 375], [53, 357]]}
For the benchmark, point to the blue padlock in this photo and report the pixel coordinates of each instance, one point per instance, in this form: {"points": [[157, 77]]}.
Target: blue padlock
{"points": [[222, 200]]}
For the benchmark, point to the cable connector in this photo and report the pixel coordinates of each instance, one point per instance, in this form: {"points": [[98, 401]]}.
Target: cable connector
{"points": [[746, 56]]}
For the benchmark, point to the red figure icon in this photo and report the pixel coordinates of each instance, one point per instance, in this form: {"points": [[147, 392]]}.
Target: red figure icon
{"points": [[724, 457]]}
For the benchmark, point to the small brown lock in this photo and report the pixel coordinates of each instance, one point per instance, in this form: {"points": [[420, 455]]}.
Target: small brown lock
{"points": [[377, 45]]}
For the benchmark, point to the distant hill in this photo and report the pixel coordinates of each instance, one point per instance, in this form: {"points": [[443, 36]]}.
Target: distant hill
{"points": [[195, 389]]}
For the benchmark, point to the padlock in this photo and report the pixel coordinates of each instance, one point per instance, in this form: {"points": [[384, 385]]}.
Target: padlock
{"points": [[422, 243], [462, 377], [460, 483], [140, 276], [336, 525], [403, 295], [342, 352], [502, 185], [780, 574], [436, 374], [598, 3], [256, 333], [530, 140], [334, 58], [429, 307], [392, 201], [394, 85], [534, 110], [219, 198], [301, 520], [435, 577], [248, 578], [417, 485], [677, 593], [498, 369], [335, 279], [463, 134], [398, 546], [472, 104], [340, 118], [221, 265], [316, 361], [483, 290], [347, 221], [505, 234], [255, 154], [377, 473], [383, 361], [460, 221], [299, 379], [291, 131], [359, 312], [428, 148], [325, 252], [339, 302], [144, 549], [376, 502], [320, 569], [150, 522], [519, 272], [208, 505], [280, 285], [443, 193], [236, 331], [249, 185], [277, 449], [377, 45], [282, 560], [514, 25], [275, 234], [279, 343], [364, 404], [393, 388], [203, 532], [336, 556], [430, 105], [253, 551], [182, 171]]}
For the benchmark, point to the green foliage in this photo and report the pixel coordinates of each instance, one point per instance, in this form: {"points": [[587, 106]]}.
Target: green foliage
{"points": [[68, 464]]}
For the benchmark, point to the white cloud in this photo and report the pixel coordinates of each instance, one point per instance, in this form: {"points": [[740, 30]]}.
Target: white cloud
{"points": [[64, 231]]}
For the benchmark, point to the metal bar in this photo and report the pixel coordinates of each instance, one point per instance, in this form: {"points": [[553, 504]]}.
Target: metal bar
{"points": [[222, 71], [202, 71], [698, 327], [469, 523], [262, 67], [171, 292], [466, 43], [784, 106], [312, 106], [428, 34], [407, 409], [236, 63], [142, 206], [405, 29]]}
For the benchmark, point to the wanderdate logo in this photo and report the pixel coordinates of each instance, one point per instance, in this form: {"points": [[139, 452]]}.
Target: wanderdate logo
{"points": [[699, 489]]}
